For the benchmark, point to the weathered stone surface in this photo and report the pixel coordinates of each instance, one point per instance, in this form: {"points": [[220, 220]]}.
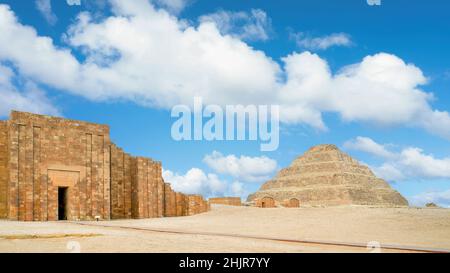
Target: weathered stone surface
{"points": [[44, 160], [121, 187], [47, 153], [196, 204], [231, 201], [170, 206], [265, 202], [326, 176], [3, 168]]}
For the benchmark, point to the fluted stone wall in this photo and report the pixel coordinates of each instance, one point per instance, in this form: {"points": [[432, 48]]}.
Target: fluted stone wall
{"points": [[196, 204], [3, 168], [178, 204], [148, 188], [182, 204], [40, 154], [170, 201], [122, 167], [46, 153]]}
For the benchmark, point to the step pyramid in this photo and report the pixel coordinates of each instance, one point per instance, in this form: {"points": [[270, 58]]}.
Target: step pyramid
{"points": [[325, 176]]}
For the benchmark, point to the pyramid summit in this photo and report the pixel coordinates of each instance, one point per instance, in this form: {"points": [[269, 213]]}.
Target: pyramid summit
{"points": [[326, 176]]}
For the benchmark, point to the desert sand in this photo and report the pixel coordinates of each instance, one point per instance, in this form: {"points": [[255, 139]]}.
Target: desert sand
{"points": [[240, 229]]}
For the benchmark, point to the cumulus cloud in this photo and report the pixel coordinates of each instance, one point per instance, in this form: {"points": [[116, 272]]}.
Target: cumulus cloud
{"points": [[389, 171], [45, 8], [174, 6], [382, 89], [243, 168], [425, 165], [367, 145], [441, 198], [251, 26], [237, 189], [409, 163], [306, 41], [146, 55], [73, 2], [28, 98], [196, 181]]}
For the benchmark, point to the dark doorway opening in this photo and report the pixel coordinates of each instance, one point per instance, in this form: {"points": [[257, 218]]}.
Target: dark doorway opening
{"points": [[267, 202], [62, 203]]}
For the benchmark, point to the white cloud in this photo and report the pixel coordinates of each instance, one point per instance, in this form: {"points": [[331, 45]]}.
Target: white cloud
{"points": [[367, 145], [441, 198], [244, 168], [409, 163], [45, 8], [306, 41], [237, 189], [424, 165], [196, 181], [382, 90], [389, 172], [73, 2], [148, 56], [251, 26], [31, 99], [174, 6]]}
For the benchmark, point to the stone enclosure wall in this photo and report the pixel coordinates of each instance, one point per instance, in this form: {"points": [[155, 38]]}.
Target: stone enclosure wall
{"points": [[230, 201], [42, 156], [178, 204], [196, 204], [47, 153], [122, 172], [3, 169]]}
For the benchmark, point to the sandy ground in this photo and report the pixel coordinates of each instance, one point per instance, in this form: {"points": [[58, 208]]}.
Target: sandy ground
{"points": [[423, 228]]}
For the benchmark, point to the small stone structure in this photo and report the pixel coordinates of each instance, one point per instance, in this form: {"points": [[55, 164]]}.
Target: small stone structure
{"points": [[291, 203], [325, 176], [265, 202], [58, 169], [230, 201]]}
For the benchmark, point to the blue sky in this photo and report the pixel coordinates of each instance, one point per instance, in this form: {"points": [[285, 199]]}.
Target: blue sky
{"points": [[125, 64]]}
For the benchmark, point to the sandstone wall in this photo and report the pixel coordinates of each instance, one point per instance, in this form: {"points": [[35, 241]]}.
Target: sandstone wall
{"points": [[46, 153], [40, 155], [178, 204], [182, 204], [170, 201], [138, 190], [121, 183], [148, 188], [3, 168], [230, 201], [196, 204]]}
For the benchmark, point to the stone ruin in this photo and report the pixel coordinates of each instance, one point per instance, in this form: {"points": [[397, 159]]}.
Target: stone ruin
{"points": [[58, 169], [325, 176], [230, 201]]}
